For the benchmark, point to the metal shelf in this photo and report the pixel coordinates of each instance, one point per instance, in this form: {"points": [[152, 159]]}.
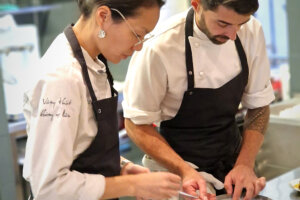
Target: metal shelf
{"points": [[30, 9]]}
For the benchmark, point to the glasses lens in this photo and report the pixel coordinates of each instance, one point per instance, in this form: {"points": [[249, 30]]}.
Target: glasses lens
{"points": [[148, 36]]}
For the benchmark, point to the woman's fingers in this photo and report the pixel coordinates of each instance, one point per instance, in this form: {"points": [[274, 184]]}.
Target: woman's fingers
{"points": [[158, 185]]}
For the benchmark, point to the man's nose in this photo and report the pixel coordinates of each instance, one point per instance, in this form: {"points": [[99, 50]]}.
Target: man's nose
{"points": [[232, 31]]}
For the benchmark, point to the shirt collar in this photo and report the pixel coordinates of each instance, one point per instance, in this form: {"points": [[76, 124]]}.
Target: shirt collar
{"points": [[198, 33]]}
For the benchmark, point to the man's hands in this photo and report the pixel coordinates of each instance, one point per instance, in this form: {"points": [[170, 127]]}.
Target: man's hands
{"points": [[243, 176], [193, 181]]}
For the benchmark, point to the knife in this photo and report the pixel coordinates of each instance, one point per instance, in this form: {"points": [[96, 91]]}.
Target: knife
{"points": [[186, 195]]}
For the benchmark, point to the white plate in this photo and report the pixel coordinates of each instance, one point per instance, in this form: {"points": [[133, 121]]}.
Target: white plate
{"points": [[295, 182]]}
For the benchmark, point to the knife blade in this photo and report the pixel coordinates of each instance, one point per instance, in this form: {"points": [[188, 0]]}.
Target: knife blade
{"points": [[184, 194]]}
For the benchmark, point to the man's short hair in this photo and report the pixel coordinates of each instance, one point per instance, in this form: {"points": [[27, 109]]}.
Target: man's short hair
{"points": [[240, 6]]}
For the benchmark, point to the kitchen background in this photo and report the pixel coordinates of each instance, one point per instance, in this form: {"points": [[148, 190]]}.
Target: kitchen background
{"points": [[27, 27]]}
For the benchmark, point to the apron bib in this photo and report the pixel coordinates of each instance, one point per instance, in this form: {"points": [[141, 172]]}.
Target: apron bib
{"points": [[204, 131], [102, 156]]}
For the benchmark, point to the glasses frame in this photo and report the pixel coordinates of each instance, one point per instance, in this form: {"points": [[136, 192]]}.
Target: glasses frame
{"points": [[140, 41]]}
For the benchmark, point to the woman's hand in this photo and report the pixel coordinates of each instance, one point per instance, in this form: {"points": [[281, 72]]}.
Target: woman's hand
{"points": [[157, 185], [131, 168]]}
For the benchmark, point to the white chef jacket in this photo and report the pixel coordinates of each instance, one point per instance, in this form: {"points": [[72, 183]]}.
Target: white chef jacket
{"points": [[157, 78], [61, 125]]}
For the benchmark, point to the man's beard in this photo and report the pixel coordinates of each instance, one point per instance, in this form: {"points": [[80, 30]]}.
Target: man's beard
{"points": [[213, 38]]}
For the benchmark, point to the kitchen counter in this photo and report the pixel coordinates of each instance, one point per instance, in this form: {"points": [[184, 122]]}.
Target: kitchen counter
{"points": [[280, 151], [279, 188]]}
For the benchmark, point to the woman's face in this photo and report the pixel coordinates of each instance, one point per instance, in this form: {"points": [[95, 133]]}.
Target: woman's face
{"points": [[120, 38]]}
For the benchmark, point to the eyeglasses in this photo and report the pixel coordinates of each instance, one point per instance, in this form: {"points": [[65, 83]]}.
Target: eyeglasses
{"points": [[140, 41]]}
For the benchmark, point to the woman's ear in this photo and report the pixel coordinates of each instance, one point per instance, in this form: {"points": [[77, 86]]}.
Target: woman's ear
{"points": [[103, 13]]}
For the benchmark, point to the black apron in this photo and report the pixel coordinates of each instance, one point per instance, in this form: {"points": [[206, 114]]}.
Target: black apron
{"points": [[204, 130], [102, 156]]}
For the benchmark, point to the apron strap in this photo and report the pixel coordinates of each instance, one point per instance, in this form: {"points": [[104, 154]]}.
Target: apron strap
{"points": [[188, 52], [243, 59], [109, 75], [80, 58]]}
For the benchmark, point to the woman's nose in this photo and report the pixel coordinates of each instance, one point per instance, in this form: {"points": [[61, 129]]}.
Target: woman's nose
{"points": [[138, 47]]}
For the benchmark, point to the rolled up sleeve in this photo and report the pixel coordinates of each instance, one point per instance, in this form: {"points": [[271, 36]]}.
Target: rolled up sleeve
{"points": [[145, 88], [258, 99], [259, 91], [139, 116]]}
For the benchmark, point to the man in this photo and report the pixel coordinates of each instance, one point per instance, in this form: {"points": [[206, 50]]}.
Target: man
{"points": [[190, 80]]}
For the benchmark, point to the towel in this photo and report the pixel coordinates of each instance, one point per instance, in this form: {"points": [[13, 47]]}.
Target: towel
{"points": [[211, 181]]}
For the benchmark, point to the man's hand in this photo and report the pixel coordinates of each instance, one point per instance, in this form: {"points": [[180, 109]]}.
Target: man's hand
{"points": [[193, 181], [243, 176]]}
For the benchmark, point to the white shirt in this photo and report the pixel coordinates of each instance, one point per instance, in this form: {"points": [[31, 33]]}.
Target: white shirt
{"points": [[157, 79], [61, 125]]}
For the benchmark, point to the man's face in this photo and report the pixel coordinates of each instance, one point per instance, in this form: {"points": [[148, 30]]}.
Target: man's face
{"points": [[221, 24]]}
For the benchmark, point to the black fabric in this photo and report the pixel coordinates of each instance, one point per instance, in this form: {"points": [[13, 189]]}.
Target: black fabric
{"points": [[204, 130], [109, 76], [102, 156], [188, 50]]}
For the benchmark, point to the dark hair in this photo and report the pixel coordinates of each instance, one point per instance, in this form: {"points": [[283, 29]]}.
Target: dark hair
{"points": [[126, 7], [239, 6]]}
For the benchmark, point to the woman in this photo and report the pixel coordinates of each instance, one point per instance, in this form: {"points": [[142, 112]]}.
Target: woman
{"points": [[72, 150]]}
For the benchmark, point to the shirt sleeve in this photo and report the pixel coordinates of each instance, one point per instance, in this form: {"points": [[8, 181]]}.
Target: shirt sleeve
{"points": [[145, 87], [259, 91], [52, 132]]}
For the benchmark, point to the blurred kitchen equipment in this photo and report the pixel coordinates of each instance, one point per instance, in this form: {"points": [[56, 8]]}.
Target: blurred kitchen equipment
{"points": [[280, 150], [279, 188], [19, 54]]}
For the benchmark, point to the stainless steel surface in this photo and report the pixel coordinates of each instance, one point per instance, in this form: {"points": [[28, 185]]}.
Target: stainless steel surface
{"points": [[279, 188], [224, 197], [17, 126], [228, 197], [186, 195], [280, 150]]}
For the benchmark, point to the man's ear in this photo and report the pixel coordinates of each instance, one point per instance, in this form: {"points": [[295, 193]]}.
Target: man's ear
{"points": [[196, 4]]}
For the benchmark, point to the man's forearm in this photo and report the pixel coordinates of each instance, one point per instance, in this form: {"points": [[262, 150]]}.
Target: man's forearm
{"points": [[257, 119], [152, 143], [252, 141], [255, 126]]}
